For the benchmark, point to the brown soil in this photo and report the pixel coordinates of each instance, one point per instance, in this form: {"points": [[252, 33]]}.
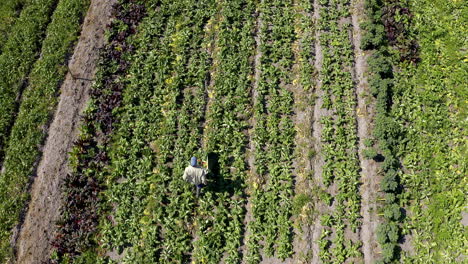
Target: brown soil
{"points": [[464, 220], [37, 231], [302, 164], [364, 114], [407, 246]]}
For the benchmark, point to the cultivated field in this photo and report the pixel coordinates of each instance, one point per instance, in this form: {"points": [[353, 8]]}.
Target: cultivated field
{"points": [[338, 127]]}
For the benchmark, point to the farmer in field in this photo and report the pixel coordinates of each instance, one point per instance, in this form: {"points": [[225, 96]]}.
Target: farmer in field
{"points": [[195, 175]]}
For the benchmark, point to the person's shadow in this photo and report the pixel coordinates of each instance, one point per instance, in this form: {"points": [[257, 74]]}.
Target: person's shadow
{"points": [[213, 163], [217, 183]]}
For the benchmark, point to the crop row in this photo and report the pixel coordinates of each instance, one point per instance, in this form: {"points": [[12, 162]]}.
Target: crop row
{"points": [[9, 13], [89, 157], [143, 139], [220, 225], [183, 116], [339, 138], [37, 106], [305, 76], [305, 32], [430, 107], [18, 55], [381, 83], [412, 127], [274, 133]]}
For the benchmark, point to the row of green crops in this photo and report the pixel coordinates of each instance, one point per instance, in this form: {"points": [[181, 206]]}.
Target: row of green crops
{"points": [[421, 115], [9, 13], [221, 212], [305, 31], [431, 108], [149, 213], [89, 158], [154, 213], [18, 55], [181, 117], [437, 162], [271, 227], [37, 106], [138, 170], [339, 135], [385, 130]]}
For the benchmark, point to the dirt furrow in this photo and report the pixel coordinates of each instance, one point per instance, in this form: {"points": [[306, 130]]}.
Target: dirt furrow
{"points": [[364, 115], [303, 115], [37, 230]]}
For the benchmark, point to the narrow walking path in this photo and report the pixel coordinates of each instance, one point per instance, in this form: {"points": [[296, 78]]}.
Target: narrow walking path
{"points": [[303, 91], [364, 114], [33, 242]]}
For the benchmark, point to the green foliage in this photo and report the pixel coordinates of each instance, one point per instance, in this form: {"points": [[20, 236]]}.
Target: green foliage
{"points": [[274, 131], [299, 201], [379, 88], [393, 212], [18, 55], [388, 252], [87, 257], [386, 131], [339, 140], [39, 97], [390, 198], [389, 182], [185, 57], [327, 220], [380, 64], [369, 142], [9, 13], [432, 112], [373, 37], [387, 232], [326, 198], [370, 153]]}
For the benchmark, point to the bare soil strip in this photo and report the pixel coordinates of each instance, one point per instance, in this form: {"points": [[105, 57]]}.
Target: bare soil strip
{"points": [[302, 164], [302, 167], [365, 112], [33, 243]]}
